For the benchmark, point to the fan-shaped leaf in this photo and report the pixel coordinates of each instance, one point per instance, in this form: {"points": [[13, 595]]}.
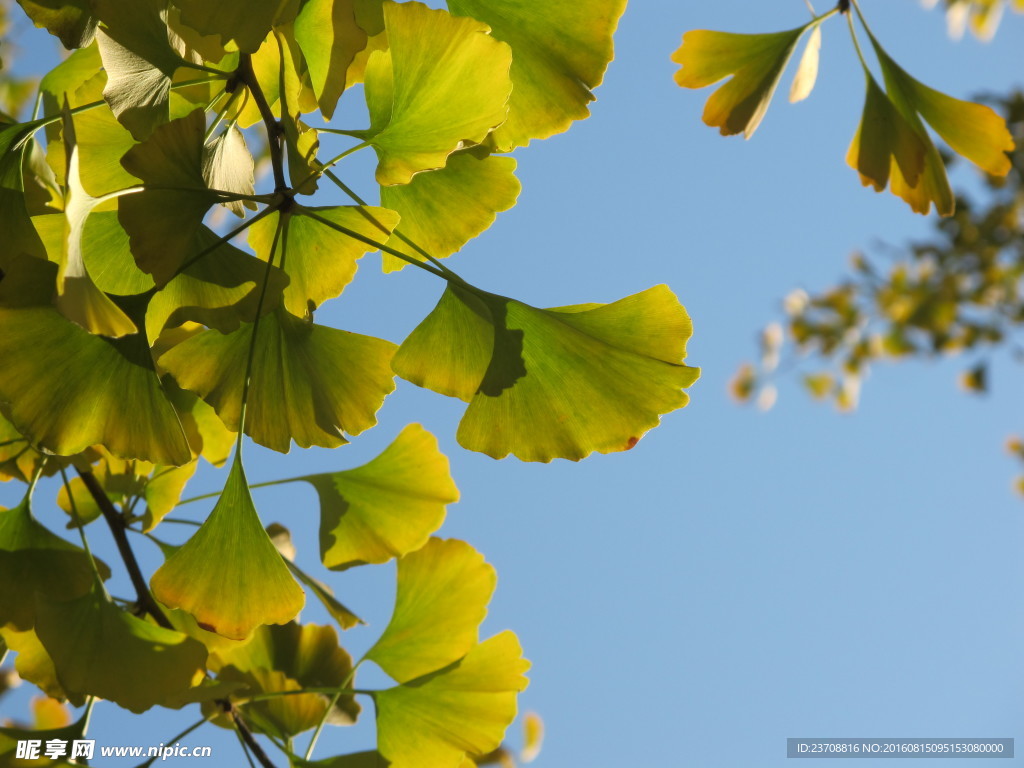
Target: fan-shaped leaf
{"points": [[320, 261], [443, 592], [228, 165], [19, 235], [329, 36], [34, 664], [386, 508], [72, 21], [310, 383], [228, 575], [444, 209], [755, 62], [807, 70], [434, 722], [245, 22], [100, 650], [553, 383], [207, 435], [561, 49], [442, 81]]}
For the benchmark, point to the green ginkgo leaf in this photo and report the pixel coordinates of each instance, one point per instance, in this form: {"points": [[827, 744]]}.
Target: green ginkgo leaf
{"points": [[443, 592], [162, 491], [443, 81], [561, 49], [139, 61], [37, 561], [72, 21], [162, 222], [107, 256], [99, 650], [310, 383], [207, 435], [434, 722], [66, 389], [755, 62], [33, 663], [67, 77], [19, 235], [327, 33], [387, 507], [228, 165], [320, 261], [553, 383], [221, 290], [228, 575], [102, 142], [442, 210], [291, 657], [245, 22], [972, 130]]}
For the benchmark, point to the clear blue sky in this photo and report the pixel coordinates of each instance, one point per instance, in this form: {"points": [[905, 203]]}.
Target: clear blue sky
{"points": [[739, 577]]}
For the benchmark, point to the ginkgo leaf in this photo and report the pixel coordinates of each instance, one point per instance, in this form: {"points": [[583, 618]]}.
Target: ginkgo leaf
{"points": [[19, 235], [228, 165], [327, 33], [107, 256], [139, 61], [100, 650], [102, 142], [37, 561], [807, 70], [66, 389], [434, 722], [443, 592], [972, 130], [162, 492], [245, 22], [321, 261], [33, 663], [68, 76], [207, 435], [387, 507], [221, 290], [442, 210], [442, 81], [552, 383], [561, 49], [162, 222], [310, 383], [755, 62], [291, 657], [52, 722], [228, 575], [72, 21]]}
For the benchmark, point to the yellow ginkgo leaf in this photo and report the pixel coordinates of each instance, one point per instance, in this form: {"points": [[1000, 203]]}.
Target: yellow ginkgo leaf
{"points": [[756, 63], [807, 70]]}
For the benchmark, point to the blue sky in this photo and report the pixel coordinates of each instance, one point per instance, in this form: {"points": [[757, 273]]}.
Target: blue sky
{"points": [[739, 577]]}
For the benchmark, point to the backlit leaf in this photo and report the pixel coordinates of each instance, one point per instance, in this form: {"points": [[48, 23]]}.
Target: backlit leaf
{"points": [[327, 32], [244, 21], [228, 165], [100, 650], [442, 81], [442, 210], [52, 722], [387, 507], [228, 575], [443, 592], [72, 21], [434, 722], [553, 383], [207, 435], [807, 70], [19, 235], [34, 664], [162, 492], [755, 62], [561, 49], [321, 261], [310, 383]]}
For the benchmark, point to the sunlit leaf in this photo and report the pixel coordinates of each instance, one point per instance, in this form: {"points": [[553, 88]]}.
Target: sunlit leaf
{"points": [[321, 261], [228, 165], [19, 235], [327, 32], [442, 81], [162, 222], [207, 435], [807, 70], [100, 650], [38, 562], [162, 492], [228, 575], [561, 49], [139, 61], [245, 22], [553, 383], [291, 657], [387, 507], [755, 62], [310, 383], [34, 664], [434, 722], [444, 209], [443, 592], [102, 142], [72, 21], [52, 722]]}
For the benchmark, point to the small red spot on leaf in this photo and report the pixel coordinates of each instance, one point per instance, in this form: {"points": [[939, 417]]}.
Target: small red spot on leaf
{"points": [[631, 442], [207, 627]]}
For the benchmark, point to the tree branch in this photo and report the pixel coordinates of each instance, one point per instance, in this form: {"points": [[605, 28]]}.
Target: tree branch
{"points": [[274, 132], [248, 738], [117, 528]]}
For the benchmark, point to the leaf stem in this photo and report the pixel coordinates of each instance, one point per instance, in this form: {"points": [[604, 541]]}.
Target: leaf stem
{"points": [[249, 739], [117, 529], [81, 527], [226, 238], [181, 735], [856, 44], [327, 712]]}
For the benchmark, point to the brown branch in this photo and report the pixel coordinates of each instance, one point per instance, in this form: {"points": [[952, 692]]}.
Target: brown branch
{"points": [[118, 529], [274, 131], [247, 737]]}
